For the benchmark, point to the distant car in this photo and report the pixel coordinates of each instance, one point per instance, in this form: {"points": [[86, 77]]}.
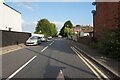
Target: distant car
{"points": [[34, 40], [59, 36], [43, 39], [50, 38]]}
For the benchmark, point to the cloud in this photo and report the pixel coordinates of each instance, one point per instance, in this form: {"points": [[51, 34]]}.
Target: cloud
{"points": [[29, 8], [22, 21], [24, 5], [28, 26], [59, 25]]}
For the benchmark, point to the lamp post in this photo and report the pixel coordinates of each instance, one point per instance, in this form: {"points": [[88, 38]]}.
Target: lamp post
{"points": [[93, 12]]}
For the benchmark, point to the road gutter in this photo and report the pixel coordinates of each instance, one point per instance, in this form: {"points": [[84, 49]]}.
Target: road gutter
{"points": [[95, 70], [106, 67]]}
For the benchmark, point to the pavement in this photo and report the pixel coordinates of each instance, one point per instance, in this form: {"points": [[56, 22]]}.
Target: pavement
{"points": [[11, 48], [112, 65]]}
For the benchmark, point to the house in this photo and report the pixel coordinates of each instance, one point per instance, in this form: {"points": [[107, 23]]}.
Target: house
{"points": [[83, 30], [76, 30], [10, 27], [105, 18], [10, 19]]}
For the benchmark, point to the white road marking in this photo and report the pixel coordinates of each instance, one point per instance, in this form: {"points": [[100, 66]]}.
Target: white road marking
{"points": [[100, 72], [44, 49], [94, 67], [86, 63], [51, 43], [12, 75], [60, 76], [107, 67], [47, 46]]}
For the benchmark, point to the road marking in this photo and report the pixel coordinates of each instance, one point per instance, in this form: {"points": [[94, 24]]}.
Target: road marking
{"points": [[12, 75], [107, 67], [93, 65], [60, 76], [86, 63], [51, 43], [44, 49], [100, 72], [47, 46]]}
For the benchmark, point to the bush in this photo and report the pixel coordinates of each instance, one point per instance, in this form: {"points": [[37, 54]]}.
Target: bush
{"points": [[112, 48], [93, 45]]}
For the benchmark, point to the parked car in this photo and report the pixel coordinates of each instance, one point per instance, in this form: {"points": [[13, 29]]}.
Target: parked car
{"points": [[50, 38], [34, 40], [43, 39]]}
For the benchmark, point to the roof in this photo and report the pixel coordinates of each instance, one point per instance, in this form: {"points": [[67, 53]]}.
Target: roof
{"points": [[11, 8]]}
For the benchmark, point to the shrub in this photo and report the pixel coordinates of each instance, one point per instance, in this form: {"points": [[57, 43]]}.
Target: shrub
{"points": [[112, 48], [93, 45]]}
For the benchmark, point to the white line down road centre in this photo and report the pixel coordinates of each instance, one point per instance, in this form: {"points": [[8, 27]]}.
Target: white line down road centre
{"points": [[12, 75]]}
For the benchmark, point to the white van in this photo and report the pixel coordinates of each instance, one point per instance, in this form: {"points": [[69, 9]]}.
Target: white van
{"points": [[43, 39]]}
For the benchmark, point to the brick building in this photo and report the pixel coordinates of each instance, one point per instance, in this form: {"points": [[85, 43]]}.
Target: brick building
{"points": [[105, 17]]}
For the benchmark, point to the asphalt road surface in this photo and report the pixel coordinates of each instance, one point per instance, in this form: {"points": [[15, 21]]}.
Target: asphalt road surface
{"points": [[45, 61]]}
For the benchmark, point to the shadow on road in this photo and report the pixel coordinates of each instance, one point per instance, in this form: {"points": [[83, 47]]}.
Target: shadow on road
{"points": [[57, 68]]}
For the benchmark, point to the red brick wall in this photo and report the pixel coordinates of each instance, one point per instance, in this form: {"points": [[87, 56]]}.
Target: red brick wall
{"points": [[85, 40], [104, 19]]}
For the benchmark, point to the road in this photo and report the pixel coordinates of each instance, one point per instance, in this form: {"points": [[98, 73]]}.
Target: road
{"points": [[45, 61]]}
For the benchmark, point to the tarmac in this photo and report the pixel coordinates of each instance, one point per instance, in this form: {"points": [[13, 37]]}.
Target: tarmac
{"points": [[111, 64]]}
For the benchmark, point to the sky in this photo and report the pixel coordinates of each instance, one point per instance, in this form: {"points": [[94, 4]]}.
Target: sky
{"points": [[79, 13]]}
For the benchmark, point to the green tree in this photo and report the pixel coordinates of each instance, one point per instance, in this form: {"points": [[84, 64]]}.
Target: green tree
{"points": [[66, 29], [46, 28], [62, 32], [78, 25], [53, 30], [68, 24]]}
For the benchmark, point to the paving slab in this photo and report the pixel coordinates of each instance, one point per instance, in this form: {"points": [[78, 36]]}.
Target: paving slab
{"points": [[11, 48]]}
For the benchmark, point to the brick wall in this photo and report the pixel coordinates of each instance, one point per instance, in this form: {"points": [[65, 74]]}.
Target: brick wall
{"points": [[13, 38], [85, 40], [104, 19]]}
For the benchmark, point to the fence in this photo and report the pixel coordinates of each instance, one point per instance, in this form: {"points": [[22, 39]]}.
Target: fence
{"points": [[13, 38]]}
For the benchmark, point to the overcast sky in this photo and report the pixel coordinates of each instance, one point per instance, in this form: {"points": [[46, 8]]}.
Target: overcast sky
{"points": [[56, 12]]}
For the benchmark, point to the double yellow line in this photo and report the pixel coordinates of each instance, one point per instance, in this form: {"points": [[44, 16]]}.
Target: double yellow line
{"points": [[92, 67]]}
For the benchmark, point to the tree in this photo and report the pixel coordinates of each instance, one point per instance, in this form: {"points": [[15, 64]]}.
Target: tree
{"points": [[53, 30], [46, 28], [62, 32], [78, 25], [66, 29], [68, 24]]}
